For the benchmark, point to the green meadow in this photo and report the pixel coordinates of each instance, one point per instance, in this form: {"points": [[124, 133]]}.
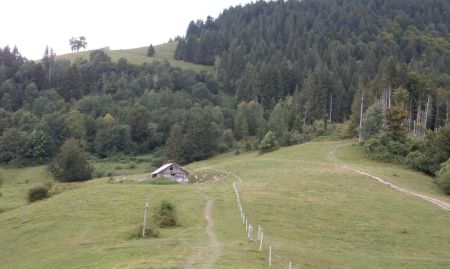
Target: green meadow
{"points": [[138, 56], [314, 213]]}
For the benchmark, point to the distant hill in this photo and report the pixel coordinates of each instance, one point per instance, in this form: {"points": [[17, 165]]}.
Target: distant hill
{"points": [[139, 56], [327, 51]]}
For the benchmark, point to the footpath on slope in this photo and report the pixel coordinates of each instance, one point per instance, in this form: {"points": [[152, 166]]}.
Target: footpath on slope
{"points": [[388, 182], [207, 256]]}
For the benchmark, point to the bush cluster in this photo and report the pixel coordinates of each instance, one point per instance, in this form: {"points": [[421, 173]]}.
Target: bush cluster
{"points": [[166, 215], [38, 192], [386, 147]]}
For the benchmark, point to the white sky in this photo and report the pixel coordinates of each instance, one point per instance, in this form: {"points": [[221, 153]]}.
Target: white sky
{"points": [[119, 24]]}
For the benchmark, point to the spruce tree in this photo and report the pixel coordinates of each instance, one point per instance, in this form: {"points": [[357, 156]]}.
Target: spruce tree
{"points": [[151, 51]]}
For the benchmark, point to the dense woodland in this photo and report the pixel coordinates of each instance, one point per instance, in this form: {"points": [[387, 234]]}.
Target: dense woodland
{"points": [[117, 108], [285, 71], [325, 53]]}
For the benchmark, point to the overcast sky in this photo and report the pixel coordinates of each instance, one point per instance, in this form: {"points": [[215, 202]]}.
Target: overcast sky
{"points": [[119, 24]]}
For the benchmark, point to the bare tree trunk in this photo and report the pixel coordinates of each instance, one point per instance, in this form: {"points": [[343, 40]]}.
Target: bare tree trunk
{"points": [[426, 112], [410, 113], [331, 107], [418, 120], [50, 72], [389, 95], [361, 118]]}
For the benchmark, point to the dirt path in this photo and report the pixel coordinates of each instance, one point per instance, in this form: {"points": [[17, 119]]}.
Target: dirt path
{"points": [[205, 257], [440, 203]]}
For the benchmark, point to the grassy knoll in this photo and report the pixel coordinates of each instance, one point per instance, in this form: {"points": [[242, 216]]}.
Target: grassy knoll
{"points": [[321, 216], [91, 227], [353, 154], [138, 56], [313, 212]]}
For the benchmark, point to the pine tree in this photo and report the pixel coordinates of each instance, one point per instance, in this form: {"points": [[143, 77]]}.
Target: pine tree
{"points": [[151, 51]]}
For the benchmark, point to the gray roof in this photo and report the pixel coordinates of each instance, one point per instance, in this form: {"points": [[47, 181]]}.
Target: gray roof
{"points": [[167, 165]]}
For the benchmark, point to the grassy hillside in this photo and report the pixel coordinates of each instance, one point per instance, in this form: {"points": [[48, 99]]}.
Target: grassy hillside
{"points": [[138, 56], [313, 212]]}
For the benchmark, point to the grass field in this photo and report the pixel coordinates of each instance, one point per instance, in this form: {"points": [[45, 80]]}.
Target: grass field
{"points": [[138, 56], [314, 213]]}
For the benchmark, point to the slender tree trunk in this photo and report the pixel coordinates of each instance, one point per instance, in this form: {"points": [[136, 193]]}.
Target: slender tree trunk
{"points": [[331, 107], [389, 95], [50, 72], [410, 113], [361, 118], [426, 112]]}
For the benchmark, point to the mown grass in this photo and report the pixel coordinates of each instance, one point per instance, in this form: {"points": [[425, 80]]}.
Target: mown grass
{"points": [[93, 226], [16, 183], [138, 56], [353, 153], [314, 213], [322, 216]]}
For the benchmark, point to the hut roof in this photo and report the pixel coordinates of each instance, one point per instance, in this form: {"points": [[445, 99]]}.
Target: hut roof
{"points": [[167, 165]]}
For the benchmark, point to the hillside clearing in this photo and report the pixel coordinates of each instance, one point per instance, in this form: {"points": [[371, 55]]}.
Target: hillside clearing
{"points": [[139, 56], [314, 213]]}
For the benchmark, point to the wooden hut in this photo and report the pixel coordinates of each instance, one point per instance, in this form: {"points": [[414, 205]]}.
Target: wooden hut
{"points": [[173, 171]]}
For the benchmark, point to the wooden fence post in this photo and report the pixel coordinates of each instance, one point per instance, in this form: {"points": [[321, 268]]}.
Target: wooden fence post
{"points": [[250, 232], [270, 256], [261, 242], [144, 226]]}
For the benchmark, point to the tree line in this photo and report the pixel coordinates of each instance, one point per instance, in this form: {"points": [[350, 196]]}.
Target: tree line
{"points": [[265, 51], [286, 71]]}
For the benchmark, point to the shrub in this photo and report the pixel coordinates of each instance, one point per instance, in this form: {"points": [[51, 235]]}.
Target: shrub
{"points": [[269, 143], [373, 120], [132, 165], [70, 164], [166, 215], [433, 151], [150, 231], [249, 143], [38, 192], [384, 147], [444, 177]]}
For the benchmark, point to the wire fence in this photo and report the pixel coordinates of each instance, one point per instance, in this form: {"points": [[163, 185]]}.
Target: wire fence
{"points": [[263, 245]]}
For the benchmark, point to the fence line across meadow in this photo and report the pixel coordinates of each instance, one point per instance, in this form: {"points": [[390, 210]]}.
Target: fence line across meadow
{"points": [[249, 228]]}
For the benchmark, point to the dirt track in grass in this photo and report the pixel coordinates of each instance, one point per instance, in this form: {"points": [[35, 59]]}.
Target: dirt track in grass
{"points": [[386, 181], [207, 256]]}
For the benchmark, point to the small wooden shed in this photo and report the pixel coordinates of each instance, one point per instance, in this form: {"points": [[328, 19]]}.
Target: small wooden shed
{"points": [[173, 171]]}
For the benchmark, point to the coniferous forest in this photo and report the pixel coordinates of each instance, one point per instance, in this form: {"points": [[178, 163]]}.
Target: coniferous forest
{"points": [[285, 69]]}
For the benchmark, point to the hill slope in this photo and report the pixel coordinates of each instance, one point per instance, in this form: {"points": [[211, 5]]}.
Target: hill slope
{"points": [[313, 212], [139, 56], [324, 52]]}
